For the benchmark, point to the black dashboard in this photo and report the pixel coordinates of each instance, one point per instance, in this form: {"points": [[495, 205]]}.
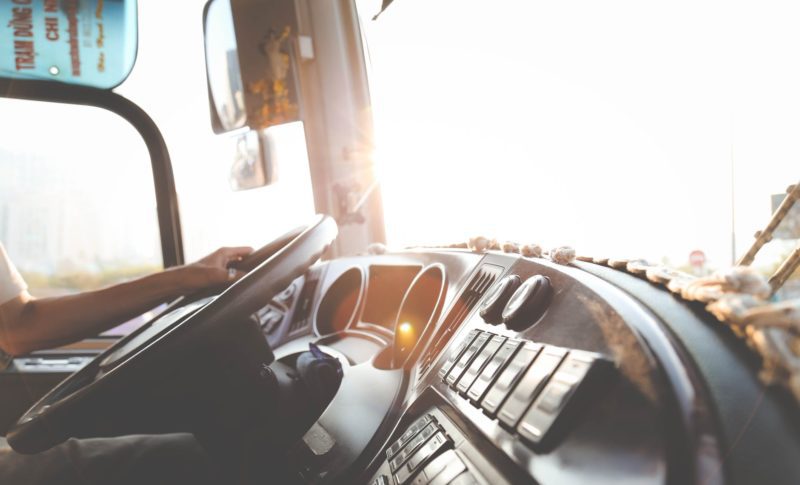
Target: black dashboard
{"points": [[463, 367]]}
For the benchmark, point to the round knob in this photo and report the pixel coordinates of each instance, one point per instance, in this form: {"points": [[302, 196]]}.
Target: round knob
{"points": [[492, 307], [527, 305]]}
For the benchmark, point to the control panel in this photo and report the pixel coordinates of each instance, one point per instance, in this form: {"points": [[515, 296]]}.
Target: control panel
{"points": [[432, 450], [525, 386]]}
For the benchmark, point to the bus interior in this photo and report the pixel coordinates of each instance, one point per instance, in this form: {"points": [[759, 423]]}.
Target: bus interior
{"points": [[498, 242]]}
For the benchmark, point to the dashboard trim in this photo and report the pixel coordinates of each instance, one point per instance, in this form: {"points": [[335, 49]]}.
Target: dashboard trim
{"points": [[741, 412]]}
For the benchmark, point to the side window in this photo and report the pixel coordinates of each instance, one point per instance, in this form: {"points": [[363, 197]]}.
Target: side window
{"points": [[77, 207]]}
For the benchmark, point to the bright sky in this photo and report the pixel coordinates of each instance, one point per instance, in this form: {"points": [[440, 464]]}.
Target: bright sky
{"points": [[610, 126]]}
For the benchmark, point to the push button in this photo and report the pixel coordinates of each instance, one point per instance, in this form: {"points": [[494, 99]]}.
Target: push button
{"points": [[530, 385], [456, 353], [492, 370], [402, 476], [479, 362], [450, 472], [381, 480], [412, 430], [466, 357], [436, 466], [509, 377], [465, 478], [555, 396], [412, 446], [491, 309], [421, 456]]}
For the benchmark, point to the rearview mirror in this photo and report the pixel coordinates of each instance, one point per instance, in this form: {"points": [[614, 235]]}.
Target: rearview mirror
{"points": [[254, 163], [251, 63]]}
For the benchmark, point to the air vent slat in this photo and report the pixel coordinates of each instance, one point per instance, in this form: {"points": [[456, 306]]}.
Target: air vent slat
{"points": [[476, 288]]}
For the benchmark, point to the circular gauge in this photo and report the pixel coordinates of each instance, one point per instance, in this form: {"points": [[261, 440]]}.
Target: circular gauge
{"points": [[492, 307], [527, 305], [418, 312], [339, 307]]}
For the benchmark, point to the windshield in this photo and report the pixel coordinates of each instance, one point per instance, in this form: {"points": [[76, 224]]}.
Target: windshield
{"points": [[77, 207], [167, 81], [624, 129]]}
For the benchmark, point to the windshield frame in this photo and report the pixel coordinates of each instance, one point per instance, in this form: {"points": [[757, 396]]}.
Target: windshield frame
{"points": [[163, 180]]}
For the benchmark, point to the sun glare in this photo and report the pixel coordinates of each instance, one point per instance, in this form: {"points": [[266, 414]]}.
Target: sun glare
{"points": [[620, 129]]}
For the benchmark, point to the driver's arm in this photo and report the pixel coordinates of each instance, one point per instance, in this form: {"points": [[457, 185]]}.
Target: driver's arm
{"points": [[28, 323]]}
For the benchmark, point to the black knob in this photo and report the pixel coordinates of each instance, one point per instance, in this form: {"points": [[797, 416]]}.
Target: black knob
{"points": [[492, 307], [527, 305]]}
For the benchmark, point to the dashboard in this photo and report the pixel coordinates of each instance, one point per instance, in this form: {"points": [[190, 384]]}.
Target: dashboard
{"points": [[464, 367]]}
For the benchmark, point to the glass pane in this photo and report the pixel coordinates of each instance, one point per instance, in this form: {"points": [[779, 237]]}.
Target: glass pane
{"points": [[212, 214], [222, 59], [86, 42], [77, 206], [624, 129]]}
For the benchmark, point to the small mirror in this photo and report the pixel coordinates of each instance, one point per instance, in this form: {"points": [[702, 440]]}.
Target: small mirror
{"points": [[226, 92], [87, 42], [253, 165], [251, 63]]}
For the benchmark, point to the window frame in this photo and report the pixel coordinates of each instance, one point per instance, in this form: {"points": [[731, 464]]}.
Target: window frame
{"points": [[169, 224]]}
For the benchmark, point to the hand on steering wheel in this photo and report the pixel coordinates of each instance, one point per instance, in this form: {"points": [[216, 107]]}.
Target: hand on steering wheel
{"points": [[202, 369], [213, 271]]}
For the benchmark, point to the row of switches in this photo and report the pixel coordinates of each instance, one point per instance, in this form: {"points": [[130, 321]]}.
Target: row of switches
{"points": [[523, 384], [446, 469], [417, 446]]}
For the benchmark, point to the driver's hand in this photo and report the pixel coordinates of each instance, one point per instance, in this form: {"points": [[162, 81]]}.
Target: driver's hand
{"points": [[212, 271]]}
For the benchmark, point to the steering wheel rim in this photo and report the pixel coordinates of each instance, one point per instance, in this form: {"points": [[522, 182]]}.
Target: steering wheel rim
{"points": [[217, 337]]}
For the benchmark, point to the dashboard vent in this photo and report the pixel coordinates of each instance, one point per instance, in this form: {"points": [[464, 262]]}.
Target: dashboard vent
{"points": [[464, 304], [301, 318]]}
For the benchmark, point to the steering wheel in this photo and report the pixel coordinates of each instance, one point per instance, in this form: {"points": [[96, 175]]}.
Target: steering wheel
{"points": [[202, 367]]}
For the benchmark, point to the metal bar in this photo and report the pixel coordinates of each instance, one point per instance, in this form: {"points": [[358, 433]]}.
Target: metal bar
{"points": [[337, 118], [786, 269], [765, 236], [164, 182]]}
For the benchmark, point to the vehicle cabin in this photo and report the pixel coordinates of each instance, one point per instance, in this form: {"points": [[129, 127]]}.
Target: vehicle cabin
{"points": [[399, 242]]}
